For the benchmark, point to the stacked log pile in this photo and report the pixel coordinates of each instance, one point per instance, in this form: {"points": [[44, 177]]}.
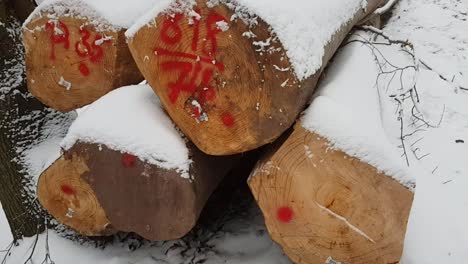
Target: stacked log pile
{"points": [[232, 77]]}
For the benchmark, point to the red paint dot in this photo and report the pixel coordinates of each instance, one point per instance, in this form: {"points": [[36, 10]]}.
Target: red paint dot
{"points": [[228, 119], [67, 190], [285, 214], [128, 160], [84, 69]]}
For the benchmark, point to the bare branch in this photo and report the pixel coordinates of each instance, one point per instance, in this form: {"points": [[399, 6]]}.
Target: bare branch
{"points": [[385, 8]]}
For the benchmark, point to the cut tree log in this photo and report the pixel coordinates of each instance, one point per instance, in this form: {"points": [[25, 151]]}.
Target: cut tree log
{"points": [[76, 50], [126, 168], [322, 201], [323, 206], [231, 80]]}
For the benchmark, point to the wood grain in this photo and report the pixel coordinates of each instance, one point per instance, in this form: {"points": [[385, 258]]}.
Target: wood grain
{"points": [[320, 203], [91, 69], [70, 199], [253, 94], [135, 196]]}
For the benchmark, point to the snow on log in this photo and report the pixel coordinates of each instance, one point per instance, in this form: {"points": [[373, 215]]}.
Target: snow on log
{"points": [[234, 75], [76, 50], [125, 167], [322, 205], [337, 189]]}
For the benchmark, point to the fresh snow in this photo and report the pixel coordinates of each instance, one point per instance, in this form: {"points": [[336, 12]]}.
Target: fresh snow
{"points": [[437, 230], [358, 117], [304, 27], [241, 240], [131, 120], [437, 151], [104, 14], [298, 24]]}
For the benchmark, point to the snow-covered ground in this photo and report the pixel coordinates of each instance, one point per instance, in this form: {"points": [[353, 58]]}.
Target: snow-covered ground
{"points": [[415, 105], [436, 143], [240, 240], [437, 231]]}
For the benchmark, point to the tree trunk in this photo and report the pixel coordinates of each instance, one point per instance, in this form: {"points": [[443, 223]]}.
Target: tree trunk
{"points": [[322, 205], [19, 116], [23, 8], [228, 85], [71, 61]]}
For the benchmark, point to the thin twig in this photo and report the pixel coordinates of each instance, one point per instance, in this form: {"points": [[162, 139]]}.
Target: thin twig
{"points": [[8, 252]]}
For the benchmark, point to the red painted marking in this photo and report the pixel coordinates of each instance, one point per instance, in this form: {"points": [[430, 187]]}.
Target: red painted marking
{"points": [[60, 38], [228, 119], [66, 189], [93, 51], [165, 52], [98, 53], [196, 31], [181, 83], [196, 75], [196, 112], [83, 69], [211, 31], [171, 25], [128, 160], [59, 33], [83, 42], [285, 214], [196, 72], [208, 94], [207, 76]]}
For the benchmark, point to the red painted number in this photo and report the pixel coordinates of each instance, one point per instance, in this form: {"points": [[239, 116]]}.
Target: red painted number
{"points": [[195, 72], [59, 33], [85, 48]]}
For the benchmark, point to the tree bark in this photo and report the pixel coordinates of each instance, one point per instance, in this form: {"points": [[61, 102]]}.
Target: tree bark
{"points": [[101, 184], [19, 116], [97, 191]]}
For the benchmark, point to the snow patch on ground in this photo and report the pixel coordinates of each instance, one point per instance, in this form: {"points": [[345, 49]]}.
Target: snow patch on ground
{"points": [[241, 240], [131, 120], [438, 29], [437, 231], [435, 124]]}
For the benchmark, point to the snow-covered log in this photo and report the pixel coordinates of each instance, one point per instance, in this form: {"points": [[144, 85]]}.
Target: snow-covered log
{"points": [[338, 189], [320, 204], [125, 167], [76, 50], [235, 74]]}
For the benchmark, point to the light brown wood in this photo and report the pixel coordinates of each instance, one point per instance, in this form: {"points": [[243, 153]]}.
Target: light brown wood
{"points": [[70, 64], [322, 205], [224, 94], [135, 196], [70, 199]]}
